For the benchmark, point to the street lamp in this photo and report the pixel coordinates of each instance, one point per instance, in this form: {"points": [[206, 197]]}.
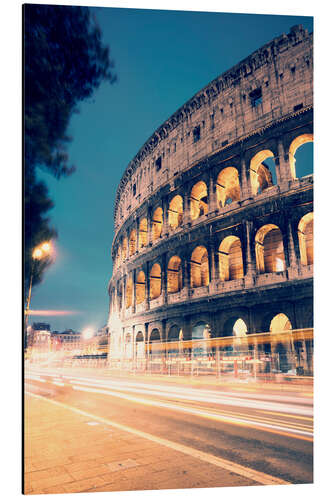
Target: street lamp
{"points": [[38, 253]]}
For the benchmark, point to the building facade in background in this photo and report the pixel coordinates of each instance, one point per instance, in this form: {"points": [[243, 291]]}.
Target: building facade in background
{"points": [[214, 215]]}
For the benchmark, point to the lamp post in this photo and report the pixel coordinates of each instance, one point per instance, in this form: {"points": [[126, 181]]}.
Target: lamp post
{"points": [[39, 252]]}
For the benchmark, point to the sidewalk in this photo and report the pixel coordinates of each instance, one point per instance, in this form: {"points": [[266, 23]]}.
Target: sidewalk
{"points": [[67, 452]]}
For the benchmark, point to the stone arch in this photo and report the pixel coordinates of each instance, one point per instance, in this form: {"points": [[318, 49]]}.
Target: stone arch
{"points": [[139, 345], [175, 333], [174, 275], [295, 144], [175, 212], [230, 259], [132, 242], [154, 336], [140, 287], [235, 326], [280, 323], [199, 200], [261, 176], [129, 293], [157, 223], [227, 186], [143, 233], [155, 281], [305, 238], [199, 267], [269, 249], [128, 351], [201, 330]]}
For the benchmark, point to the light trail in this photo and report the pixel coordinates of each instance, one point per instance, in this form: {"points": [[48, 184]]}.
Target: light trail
{"points": [[292, 432]]}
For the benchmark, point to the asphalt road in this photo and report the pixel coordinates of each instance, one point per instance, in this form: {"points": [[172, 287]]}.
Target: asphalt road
{"points": [[267, 432]]}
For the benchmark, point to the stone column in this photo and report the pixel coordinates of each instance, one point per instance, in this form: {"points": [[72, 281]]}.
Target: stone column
{"points": [[186, 207], [211, 260], [245, 182], [134, 291], [212, 203], [147, 287], [150, 226], [250, 264], [164, 278], [284, 164], [165, 226], [137, 224]]}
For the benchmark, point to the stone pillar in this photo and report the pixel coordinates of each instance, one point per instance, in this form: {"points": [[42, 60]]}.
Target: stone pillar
{"points": [[137, 224], [211, 260], [165, 226], [134, 291], [212, 202], [284, 164], [245, 181], [147, 287], [150, 226], [250, 263], [186, 207], [164, 279]]}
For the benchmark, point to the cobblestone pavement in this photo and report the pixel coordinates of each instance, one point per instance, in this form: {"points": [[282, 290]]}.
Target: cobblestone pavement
{"points": [[67, 452]]}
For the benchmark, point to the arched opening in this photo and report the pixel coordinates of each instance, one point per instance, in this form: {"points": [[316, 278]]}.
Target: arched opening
{"points": [[129, 293], [199, 200], [305, 238], [175, 333], [262, 171], [269, 249], [140, 287], [201, 331], [155, 281], [154, 336], [143, 233], [132, 242], [227, 186], [199, 267], [281, 351], [128, 346], [174, 275], [175, 212], [124, 248], [157, 223], [280, 323], [240, 328], [230, 259], [301, 156], [139, 346]]}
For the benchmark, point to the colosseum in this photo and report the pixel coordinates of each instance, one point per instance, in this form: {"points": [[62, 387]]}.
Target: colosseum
{"points": [[214, 222]]}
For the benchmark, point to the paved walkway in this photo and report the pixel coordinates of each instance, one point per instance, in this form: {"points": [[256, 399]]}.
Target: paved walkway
{"points": [[67, 452]]}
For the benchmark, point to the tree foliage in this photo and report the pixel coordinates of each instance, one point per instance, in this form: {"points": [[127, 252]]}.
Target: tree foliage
{"points": [[65, 61]]}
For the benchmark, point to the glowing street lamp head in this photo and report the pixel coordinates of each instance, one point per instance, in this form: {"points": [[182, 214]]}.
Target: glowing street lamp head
{"points": [[37, 254], [46, 247], [87, 333]]}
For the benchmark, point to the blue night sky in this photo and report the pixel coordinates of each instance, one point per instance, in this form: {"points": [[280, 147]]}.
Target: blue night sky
{"points": [[162, 58]]}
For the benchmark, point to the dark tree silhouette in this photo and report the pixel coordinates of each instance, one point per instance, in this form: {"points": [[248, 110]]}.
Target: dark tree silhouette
{"points": [[64, 63]]}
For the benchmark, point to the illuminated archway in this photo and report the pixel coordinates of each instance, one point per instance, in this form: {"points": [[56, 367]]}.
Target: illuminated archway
{"points": [[269, 249], [143, 233], [305, 238], [140, 287], [155, 281], [199, 200], [157, 223], [139, 346], [132, 242], [175, 212], [199, 267], [230, 259], [174, 275], [262, 171], [227, 186], [280, 323], [129, 293], [297, 165]]}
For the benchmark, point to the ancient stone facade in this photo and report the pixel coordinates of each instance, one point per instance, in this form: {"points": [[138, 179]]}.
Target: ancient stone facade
{"points": [[214, 223]]}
